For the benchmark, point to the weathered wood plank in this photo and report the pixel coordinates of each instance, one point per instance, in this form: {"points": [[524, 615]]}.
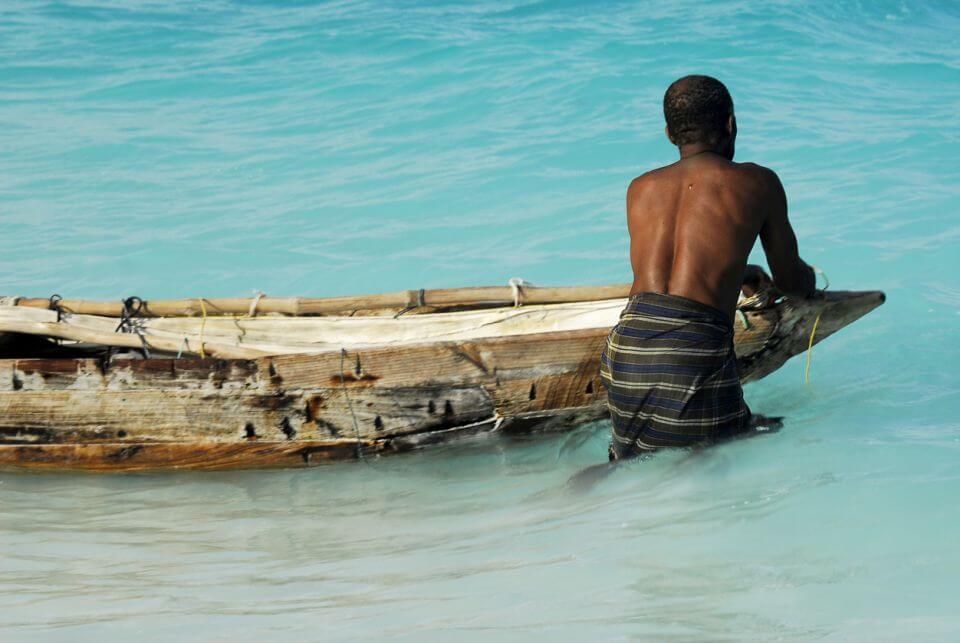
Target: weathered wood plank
{"points": [[7, 375], [224, 415], [119, 457], [477, 361], [559, 420], [231, 337], [127, 456], [380, 413], [446, 362], [128, 340], [761, 325], [416, 440], [548, 393], [129, 374], [151, 415]]}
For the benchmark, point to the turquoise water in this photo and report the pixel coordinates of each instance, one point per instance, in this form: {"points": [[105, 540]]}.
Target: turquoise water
{"points": [[172, 149]]}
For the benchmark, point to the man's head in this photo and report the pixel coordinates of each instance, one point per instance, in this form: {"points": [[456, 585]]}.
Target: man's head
{"points": [[699, 110]]}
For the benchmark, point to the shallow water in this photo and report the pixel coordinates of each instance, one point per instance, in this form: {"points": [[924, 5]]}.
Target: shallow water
{"points": [[172, 150]]}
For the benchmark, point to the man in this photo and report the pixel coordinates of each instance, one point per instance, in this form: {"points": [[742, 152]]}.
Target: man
{"points": [[669, 366]]}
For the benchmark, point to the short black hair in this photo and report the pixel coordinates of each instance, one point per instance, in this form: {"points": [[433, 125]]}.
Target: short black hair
{"points": [[696, 109]]}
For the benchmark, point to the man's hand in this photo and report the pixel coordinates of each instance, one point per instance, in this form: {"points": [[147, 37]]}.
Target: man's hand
{"points": [[755, 279]]}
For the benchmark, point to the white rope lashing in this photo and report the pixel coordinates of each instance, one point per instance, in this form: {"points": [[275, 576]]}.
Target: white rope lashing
{"points": [[253, 304], [516, 285]]}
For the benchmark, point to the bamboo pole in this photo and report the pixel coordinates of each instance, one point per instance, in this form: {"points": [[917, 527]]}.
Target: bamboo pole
{"points": [[171, 307], [430, 300]]}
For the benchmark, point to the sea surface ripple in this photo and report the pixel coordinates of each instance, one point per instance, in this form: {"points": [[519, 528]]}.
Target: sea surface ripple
{"points": [[178, 149]]}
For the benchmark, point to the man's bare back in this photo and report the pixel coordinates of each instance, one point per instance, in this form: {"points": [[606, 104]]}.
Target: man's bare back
{"points": [[693, 223]]}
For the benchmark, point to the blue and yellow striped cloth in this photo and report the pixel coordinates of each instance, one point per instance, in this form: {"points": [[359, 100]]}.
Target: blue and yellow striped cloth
{"points": [[671, 376]]}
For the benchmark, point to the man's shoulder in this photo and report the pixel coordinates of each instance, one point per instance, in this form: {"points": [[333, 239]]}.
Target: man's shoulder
{"points": [[752, 173], [758, 172], [647, 179]]}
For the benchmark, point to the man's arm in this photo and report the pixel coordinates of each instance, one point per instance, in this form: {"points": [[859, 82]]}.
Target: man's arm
{"points": [[791, 274]]}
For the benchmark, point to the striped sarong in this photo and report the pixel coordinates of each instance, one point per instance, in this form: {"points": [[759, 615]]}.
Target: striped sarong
{"points": [[671, 376]]}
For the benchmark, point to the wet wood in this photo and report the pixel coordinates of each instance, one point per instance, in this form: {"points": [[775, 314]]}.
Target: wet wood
{"points": [[179, 455]]}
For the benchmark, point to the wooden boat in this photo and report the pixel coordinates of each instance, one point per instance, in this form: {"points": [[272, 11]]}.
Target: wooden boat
{"points": [[289, 382]]}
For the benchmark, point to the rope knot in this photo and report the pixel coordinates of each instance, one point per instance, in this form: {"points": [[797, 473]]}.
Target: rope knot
{"points": [[516, 286], [132, 306]]}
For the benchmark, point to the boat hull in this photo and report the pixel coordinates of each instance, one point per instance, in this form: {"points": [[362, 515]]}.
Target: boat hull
{"points": [[306, 409]]}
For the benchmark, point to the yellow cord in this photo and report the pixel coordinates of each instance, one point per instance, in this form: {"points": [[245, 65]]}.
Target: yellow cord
{"points": [[813, 333], [203, 324]]}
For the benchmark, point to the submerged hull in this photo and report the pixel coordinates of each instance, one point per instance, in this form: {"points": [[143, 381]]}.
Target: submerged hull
{"points": [[295, 410]]}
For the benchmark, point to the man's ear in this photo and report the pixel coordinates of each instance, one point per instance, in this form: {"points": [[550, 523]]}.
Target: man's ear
{"points": [[731, 126], [666, 129]]}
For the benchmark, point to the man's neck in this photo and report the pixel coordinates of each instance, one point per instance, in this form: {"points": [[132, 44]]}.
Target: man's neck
{"points": [[692, 149]]}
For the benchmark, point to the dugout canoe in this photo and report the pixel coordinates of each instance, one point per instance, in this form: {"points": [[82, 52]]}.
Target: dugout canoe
{"points": [[293, 382]]}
